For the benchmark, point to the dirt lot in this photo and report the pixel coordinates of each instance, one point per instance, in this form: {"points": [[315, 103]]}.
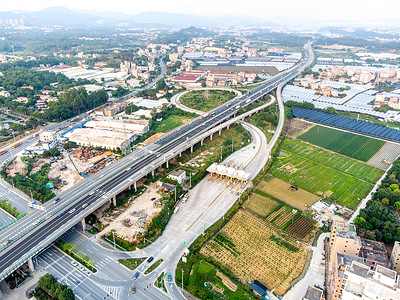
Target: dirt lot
{"points": [[298, 127], [280, 189], [17, 166], [139, 213]]}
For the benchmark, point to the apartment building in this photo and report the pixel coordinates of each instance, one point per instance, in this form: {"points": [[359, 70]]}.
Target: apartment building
{"points": [[395, 257], [360, 282], [341, 260], [344, 239]]}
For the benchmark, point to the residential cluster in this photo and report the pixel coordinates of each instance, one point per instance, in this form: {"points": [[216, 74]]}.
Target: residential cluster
{"points": [[359, 267]]}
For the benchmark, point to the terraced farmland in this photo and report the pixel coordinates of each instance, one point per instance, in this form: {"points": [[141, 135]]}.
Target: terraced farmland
{"points": [[321, 172], [250, 248], [350, 144]]}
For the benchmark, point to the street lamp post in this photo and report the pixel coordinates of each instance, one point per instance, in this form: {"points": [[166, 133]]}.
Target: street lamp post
{"points": [[182, 279], [114, 239]]}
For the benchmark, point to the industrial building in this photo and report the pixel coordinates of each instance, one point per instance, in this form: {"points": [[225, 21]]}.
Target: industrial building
{"points": [[135, 126], [102, 138]]}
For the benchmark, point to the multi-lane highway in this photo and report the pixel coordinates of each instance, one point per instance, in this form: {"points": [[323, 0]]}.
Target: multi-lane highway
{"points": [[87, 196]]}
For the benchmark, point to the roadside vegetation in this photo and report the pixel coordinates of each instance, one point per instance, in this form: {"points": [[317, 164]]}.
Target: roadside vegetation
{"points": [[132, 263], [73, 252], [34, 183], [49, 288], [153, 266], [4, 204]]}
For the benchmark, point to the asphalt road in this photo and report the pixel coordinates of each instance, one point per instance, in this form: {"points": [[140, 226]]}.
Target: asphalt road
{"points": [[31, 241]]}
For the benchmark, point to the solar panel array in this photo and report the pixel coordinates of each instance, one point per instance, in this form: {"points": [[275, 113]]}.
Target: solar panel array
{"points": [[347, 124]]}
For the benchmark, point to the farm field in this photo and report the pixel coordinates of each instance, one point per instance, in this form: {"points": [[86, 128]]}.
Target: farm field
{"points": [[250, 248], [282, 216], [300, 227], [279, 189], [349, 144], [316, 170], [260, 205]]}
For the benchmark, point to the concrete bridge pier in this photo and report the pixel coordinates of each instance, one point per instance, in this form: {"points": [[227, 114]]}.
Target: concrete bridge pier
{"points": [[114, 200], [31, 265], [167, 164], [83, 225], [191, 149], [227, 127], [220, 131], [153, 173], [211, 137], [201, 142], [180, 154], [135, 186]]}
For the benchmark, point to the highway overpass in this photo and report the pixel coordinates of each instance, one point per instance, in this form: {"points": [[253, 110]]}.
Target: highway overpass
{"points": [[33, 233]]}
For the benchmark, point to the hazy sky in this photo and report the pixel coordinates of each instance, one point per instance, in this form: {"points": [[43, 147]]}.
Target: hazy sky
{"points": [[365, 11]]}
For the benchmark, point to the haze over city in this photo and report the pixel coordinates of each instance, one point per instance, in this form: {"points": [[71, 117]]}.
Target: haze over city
{"points": [[282, 12]]}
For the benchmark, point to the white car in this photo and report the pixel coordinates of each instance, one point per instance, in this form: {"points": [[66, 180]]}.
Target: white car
{"points": [[74, 263]]}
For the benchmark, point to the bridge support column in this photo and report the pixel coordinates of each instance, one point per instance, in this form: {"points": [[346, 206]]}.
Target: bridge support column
{"points": [[167, 164], [201, 142], [83, 225], [220, 131], [153, 173], [211, 137], [227, 127], [31, 265], [114, 201], [135, 186], [191, 149], [180, 154]]}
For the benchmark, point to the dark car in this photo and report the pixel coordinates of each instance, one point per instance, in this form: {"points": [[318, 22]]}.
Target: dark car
{"points": [[150, 259], [136, 275]]}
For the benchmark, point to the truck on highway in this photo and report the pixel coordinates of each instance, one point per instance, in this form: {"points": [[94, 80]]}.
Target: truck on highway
{"points": [[3, 152], [237, 107], [16, 145]]}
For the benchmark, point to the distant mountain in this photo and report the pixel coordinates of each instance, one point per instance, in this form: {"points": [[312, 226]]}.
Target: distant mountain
{"points": [[61, 16], [183, 35]]}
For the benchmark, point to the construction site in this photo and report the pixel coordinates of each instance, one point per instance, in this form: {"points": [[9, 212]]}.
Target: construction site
{"points": [[66, 169], [132, 219]]}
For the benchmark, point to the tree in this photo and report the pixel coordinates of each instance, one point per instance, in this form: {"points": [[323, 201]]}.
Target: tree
{"points": [[385, 201], [397, 204], [394, 186]]}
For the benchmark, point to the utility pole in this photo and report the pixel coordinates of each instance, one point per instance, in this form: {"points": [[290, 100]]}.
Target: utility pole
{"points": [[221, 155], [182, 278]]}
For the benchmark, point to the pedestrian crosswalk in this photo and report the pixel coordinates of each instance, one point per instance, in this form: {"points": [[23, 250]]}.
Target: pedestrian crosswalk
{"points": [[102, 263], [114, 291]]}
